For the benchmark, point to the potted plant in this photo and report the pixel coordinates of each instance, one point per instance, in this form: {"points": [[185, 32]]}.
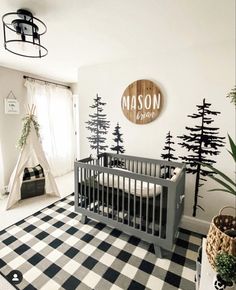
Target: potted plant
{"points": [[232, 96], [225, 265]]}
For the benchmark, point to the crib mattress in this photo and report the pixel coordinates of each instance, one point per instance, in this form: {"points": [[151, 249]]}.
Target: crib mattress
{"points": [[134, 187]]}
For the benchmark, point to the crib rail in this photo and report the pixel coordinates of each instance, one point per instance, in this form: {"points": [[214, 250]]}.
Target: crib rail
{"points": [[140, 201]]}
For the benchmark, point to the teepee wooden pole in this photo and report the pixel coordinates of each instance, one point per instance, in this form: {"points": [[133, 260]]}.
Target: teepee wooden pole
{"points": [[33, 109], [30, 110], [25, 108]]}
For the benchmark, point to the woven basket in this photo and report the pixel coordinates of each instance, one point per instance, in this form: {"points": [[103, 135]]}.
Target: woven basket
{"points": [[217, 240]]}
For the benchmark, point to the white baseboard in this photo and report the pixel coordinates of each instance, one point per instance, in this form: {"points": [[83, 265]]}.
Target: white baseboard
{"points": [[194, 224]]}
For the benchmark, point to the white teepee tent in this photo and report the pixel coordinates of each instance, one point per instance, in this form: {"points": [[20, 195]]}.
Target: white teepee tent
{"points": [[31, 154]]}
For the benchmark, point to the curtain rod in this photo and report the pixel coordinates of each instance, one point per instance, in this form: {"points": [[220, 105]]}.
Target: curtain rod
{"points": [[27, 77]]}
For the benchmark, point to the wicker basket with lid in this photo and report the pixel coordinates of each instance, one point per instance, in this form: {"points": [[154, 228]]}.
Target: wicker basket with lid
{"points": [[221, 236]]}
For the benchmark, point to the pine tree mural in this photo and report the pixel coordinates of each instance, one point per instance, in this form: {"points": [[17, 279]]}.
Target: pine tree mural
{"points": [[98, 126], [118, 147], [202, 143], [168, 154], [118, 140]]}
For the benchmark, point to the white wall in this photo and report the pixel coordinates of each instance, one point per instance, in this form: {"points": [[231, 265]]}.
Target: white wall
{"points": [[185, 78], [11, 125]]}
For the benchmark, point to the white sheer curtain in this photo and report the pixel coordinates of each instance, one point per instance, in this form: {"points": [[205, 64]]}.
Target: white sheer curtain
{"points": [[54, 110]]}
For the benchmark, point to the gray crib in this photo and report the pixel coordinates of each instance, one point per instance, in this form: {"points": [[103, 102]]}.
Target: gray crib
{"points": [[140, 196]]}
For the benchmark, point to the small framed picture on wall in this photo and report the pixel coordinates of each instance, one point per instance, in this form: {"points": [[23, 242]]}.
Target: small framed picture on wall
{"points": [[11, 104]]}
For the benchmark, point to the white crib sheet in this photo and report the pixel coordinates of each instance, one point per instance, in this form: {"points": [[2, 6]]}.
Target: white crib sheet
{"points": [[141, 187]]}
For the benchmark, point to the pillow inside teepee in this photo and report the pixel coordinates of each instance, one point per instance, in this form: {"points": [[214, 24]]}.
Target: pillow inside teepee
{"points": [[31, 173], [33, 183]]}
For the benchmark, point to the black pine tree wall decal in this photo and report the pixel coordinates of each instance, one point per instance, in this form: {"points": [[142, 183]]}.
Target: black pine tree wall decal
{"points": [[98, 126], [168, 155], [201, 142], [168, 149], [118, 140]]}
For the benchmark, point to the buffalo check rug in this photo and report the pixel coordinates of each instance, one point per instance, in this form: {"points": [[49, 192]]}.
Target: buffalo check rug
{"points": [[53, 250]]}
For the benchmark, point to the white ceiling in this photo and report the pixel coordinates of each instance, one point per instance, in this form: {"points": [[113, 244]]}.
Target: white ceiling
{"points": [[86, 32]]}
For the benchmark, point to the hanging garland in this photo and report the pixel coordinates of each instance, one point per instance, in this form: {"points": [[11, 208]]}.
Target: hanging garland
{"points": [[26, 129]]}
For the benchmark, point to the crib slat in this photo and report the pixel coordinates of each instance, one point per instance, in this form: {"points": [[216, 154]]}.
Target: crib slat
{"points": [[123, 201], [81, 188], [154, 207], [118, 196], [85, 187], [94, 173], [141, 200], [112, 202], [161, 207], [103, 193], [147, 206], [98, 184], [135, 182], [89, 189], [107, 195], [129, 204], [145, 168]]}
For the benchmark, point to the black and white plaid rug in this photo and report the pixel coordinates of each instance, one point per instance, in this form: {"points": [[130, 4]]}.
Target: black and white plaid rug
{"points": [[53, 250]]}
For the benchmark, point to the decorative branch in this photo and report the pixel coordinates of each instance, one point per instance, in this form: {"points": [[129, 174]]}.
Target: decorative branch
{"points": [[27, 120]]}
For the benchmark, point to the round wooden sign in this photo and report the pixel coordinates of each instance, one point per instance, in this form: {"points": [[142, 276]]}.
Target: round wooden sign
{"points": [[141, 102]]}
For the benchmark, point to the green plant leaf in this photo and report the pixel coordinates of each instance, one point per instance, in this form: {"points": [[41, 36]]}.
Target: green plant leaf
{"points": [[231, 190], [220, 189], [233, 148], [220, 173]]}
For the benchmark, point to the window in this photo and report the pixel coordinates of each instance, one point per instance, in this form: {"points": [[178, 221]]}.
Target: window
{"points": [[54, 111]]}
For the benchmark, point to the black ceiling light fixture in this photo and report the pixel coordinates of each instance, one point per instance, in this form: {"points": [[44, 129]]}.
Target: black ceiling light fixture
{"points": [[22, 32]]}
